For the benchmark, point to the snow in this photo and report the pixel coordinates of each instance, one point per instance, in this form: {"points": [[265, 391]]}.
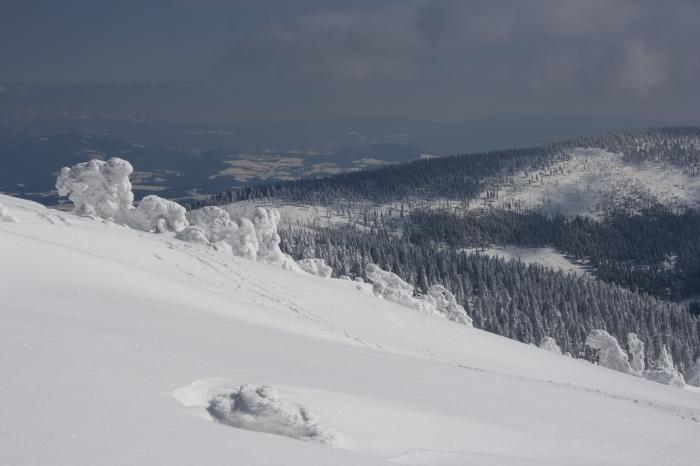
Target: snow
{"points": [[102, 327], [316, 267], [263, 409]]}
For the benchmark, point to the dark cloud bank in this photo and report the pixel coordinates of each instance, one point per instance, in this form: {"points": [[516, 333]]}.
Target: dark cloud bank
{"points": [[432, 59]]}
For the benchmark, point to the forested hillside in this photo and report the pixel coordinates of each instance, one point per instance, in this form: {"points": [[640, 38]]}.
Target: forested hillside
{"points": [[519, 301]]}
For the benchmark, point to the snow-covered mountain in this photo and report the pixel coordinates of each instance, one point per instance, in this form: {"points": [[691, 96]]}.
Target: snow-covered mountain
{"points": [[120, 346]]}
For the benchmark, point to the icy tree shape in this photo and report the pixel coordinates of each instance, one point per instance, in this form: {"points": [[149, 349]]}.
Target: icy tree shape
{"points": [[636, 349], [439, 301], [219, 229], [664, 372], [610, 354], [6, 216], [265, 222], [389, 286], [157, 214], [316, 267], [98, 188], [262, 409], [694, 374], [193, 234], [550, 344], [102, 189], [446, 304]]}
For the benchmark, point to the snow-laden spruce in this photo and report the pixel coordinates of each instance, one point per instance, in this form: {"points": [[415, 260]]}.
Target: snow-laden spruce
{"points": [[102, 189], [316, 267], [663, 371], [693, 377], [5, 215], [610, 354], [262, 409], [437, 301], [550, 344], [636, 348]]}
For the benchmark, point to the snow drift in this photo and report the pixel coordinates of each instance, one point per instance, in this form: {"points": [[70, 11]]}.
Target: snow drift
{"points": [[438, 301], [262, 409]]}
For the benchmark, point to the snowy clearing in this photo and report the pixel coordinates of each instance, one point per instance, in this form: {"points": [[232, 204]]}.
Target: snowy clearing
{"points": [[593, 180], [548, 257], [102, 325]]}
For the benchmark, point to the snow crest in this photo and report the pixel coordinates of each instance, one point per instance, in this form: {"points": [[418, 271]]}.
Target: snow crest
{"points": [[262, 409], [438, 301]]}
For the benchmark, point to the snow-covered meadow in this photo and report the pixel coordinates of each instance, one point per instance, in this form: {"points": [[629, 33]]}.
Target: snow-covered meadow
{"points": [[122, 346]]}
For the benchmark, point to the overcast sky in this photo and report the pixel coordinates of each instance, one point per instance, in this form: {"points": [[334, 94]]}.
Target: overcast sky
{"points": [[215, 60]]}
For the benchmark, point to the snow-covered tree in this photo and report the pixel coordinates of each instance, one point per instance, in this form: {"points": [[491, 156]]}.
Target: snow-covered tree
{"points": [[693, 377], [610, 354], [663, 370], [102, 189], [636, 349], [550, 344]]}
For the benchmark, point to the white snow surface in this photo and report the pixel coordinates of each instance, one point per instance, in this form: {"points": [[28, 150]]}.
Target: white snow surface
{"points": [[102, 327]]}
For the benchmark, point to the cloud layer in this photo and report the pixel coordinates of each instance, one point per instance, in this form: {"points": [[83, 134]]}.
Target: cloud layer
{"points": [[439, 58]]}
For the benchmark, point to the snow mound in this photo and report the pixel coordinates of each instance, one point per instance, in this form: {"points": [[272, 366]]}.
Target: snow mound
{"points": [[316, 267], [664, 372], [610, 354], [262, 409], [6, 216], [438, 301], [102, 189], [550, 344]]}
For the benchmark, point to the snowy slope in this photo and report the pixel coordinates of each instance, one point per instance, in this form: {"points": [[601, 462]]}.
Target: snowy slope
{"points": [[112, 342], [592, 180]]}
